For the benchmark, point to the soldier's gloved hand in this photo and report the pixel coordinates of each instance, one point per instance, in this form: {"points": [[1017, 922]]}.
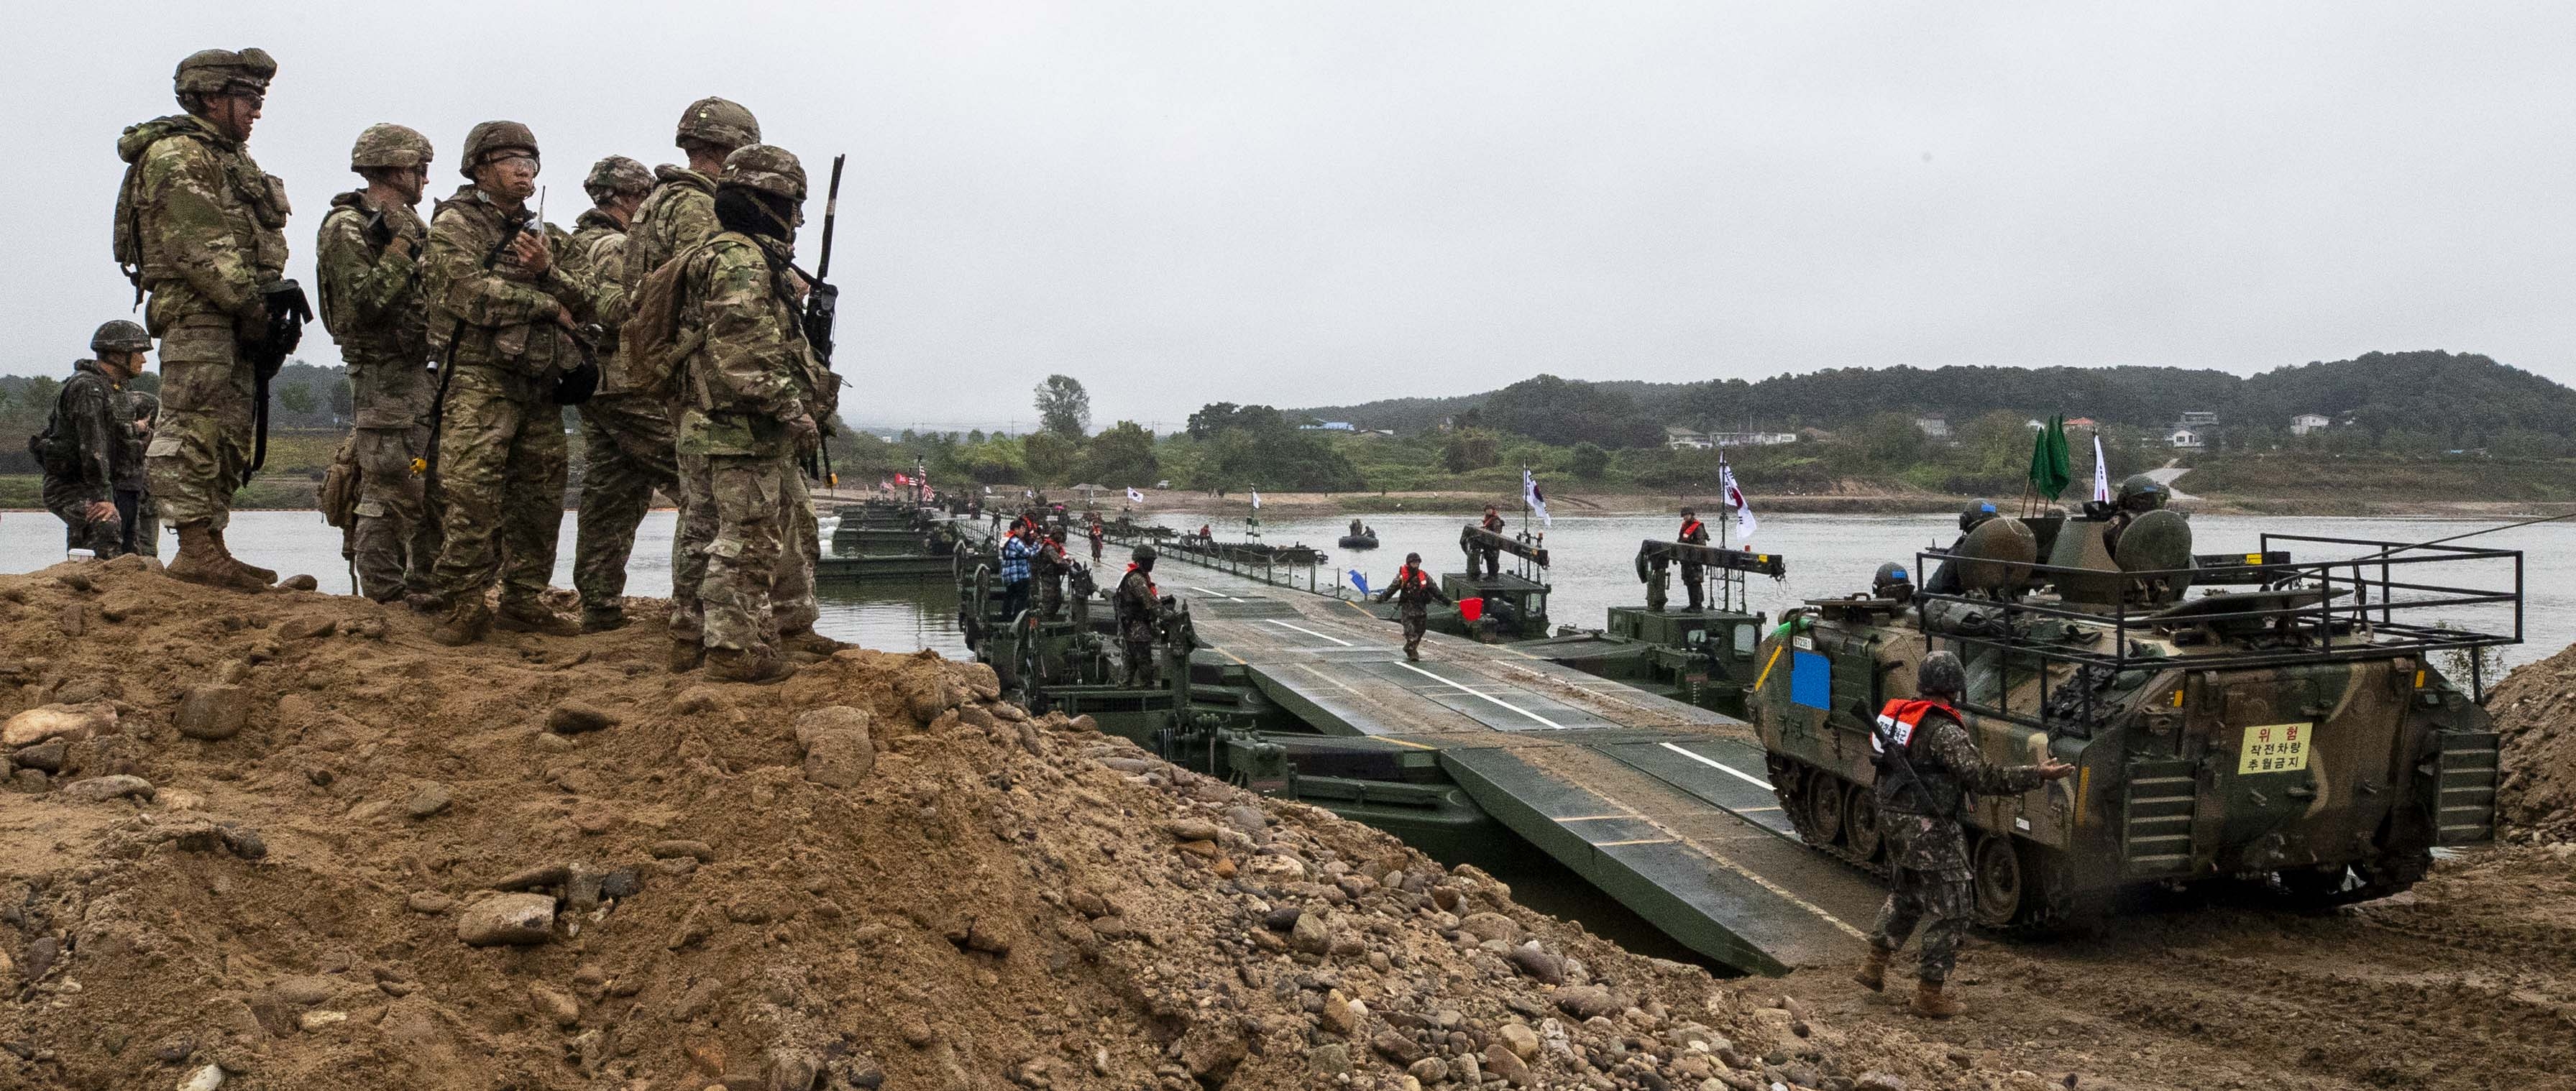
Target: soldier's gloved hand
{"points": [[802, 433], [250, 323], [529, 251]]}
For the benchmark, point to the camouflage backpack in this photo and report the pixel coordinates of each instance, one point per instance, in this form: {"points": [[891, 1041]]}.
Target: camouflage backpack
{"points": [[651, 340]]}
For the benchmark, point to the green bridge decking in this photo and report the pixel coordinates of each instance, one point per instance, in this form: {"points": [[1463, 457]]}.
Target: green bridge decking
{"points": [[1663, 805]]}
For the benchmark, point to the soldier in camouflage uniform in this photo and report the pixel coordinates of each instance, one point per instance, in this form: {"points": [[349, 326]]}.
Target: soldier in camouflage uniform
{"points": [[1927, 766], [626, 438], [368, 264], [502, 311], [679, 214], [144, 529], [745, 417], [1138, 603], [1413, 591], [201, 230], [95, 490]]}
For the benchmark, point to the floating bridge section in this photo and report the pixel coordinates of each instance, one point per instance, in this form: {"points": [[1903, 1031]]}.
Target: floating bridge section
{"points": [[1663, 805]]}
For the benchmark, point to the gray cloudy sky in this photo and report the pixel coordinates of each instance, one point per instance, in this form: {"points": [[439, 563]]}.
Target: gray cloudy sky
{"points": [[1323, 202]]}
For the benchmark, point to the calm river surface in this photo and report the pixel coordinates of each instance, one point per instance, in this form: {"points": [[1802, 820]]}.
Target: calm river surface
{"points": [[1827, 555]]}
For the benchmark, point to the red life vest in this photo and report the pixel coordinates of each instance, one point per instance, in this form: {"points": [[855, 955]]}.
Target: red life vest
{"points": [[1409, 576], [1151, 591], [1690, 528], [1897, 722], [1493, 522]]}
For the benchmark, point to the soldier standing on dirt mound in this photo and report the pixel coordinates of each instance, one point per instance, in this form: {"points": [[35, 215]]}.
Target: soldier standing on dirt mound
{"points": [[368, 265], [681, 213], [503, 310], [1927, 765], [746, 418], [90, 449], [201, 230], [626, 437]]}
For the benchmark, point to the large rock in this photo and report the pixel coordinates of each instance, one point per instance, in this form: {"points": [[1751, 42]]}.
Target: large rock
{"points": [[1311, 934], [574, 716], [839, 752], [73, 722], [102, 789], [508, 919], [214, 712], [1507, 1064], [1492, 926]]}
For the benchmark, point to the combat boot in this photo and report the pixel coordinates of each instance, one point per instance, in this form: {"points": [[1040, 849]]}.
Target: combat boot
{"points": [[265, 576], [201, 561], [758, 667], [809, 642], [686, 654], [465, 623], [425, 602], [529, 617], [1872, 974], [1931, 1003], [602, 619]]}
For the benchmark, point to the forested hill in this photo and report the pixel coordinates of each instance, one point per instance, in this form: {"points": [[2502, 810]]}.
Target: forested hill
{"points": [[2456, 400]]}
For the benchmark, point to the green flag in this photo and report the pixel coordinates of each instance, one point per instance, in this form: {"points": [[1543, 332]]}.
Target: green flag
{"points": [[2051, 469]]}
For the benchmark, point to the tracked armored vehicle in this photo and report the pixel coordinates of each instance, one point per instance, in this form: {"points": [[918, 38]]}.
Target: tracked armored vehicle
{"points": [[2290, 723]]}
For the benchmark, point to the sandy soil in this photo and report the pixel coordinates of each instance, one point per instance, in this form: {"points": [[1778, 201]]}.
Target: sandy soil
{"points": [[285, 842], [2466, 982]]}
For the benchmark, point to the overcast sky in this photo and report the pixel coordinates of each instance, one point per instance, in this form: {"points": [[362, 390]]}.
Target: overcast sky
{"points": [[1306, 203]]}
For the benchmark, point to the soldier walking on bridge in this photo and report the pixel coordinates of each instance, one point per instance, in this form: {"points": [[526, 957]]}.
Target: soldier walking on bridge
{"points": [[1413, 592], [1927, 766]]}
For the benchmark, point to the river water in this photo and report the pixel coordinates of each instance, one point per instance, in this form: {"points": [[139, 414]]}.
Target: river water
{"points": [[1827, 555]]}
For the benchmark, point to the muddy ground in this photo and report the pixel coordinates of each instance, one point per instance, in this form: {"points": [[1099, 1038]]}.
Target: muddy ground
{"points": [[2466, 982]]}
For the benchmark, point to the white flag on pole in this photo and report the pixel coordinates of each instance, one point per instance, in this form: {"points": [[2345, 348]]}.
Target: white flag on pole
{"points": [[1536, 500], [1256, 500], [2101, 472], [1744, 521], [1135, 497]]}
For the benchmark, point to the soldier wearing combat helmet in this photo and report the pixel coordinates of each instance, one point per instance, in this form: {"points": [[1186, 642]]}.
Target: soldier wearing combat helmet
{"points": [[502, 312], [626, 437], [1138, 602], [745, 413], [681, 213], [200, 230], [92, 448], [368, 264], [1927, 767]]}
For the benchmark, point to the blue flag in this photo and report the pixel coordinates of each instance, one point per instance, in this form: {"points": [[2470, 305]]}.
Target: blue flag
{"points": [[1360, 581]]}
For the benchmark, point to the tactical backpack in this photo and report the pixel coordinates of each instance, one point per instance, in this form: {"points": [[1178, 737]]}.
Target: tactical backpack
{"points": [[651, 341], [55, 448], [338, 497]]}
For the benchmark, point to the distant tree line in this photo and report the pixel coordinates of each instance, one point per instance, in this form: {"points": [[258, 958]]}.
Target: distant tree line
{"points": [[2426, 400]]}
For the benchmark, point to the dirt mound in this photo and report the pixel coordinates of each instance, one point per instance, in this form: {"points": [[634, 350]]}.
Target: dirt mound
{"points": [[2535, 712], [284, 841]]}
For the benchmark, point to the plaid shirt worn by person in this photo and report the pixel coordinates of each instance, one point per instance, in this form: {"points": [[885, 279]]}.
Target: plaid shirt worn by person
{"points": [[1015, 559]]}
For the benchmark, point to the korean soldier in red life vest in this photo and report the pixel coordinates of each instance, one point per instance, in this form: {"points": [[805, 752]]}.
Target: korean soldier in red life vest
{"points": [[1413, 592], [1097, 533], [1693, 532], [1927, 765]]}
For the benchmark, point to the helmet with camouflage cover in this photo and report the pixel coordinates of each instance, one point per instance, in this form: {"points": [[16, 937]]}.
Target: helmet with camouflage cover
{"points": [[392, 146], [119, 335], [767, 168], [1975, 514], [488, 137], [1941, 674], [1144, 554], [722, 123], [615, 175], [2142, 493], [217, 71]]}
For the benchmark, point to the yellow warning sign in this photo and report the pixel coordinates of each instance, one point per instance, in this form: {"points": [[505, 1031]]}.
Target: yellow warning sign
{"points": [[2274, 748]]}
